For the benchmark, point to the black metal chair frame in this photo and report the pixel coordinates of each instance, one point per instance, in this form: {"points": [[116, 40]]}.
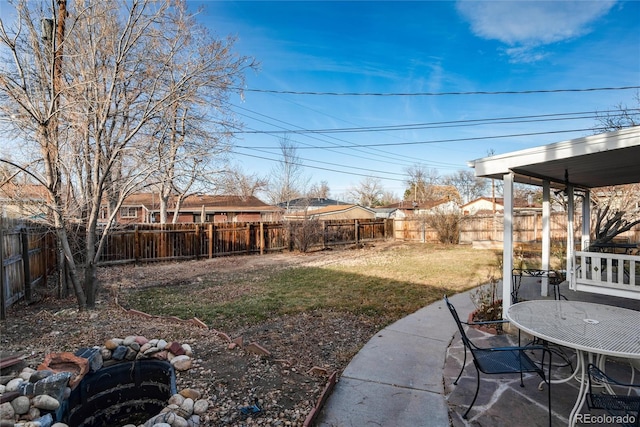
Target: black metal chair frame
{"points": [[606, 398], [555, 278], [499, 360]]}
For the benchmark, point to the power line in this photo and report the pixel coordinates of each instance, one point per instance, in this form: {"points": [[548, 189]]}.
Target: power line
{"points": [[321, 168], [329, 148], [385, 155], [350, 167], [436, 141], [452, 123], [520, 92]]}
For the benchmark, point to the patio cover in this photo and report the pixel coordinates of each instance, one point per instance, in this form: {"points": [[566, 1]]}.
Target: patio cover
{"points": [[594, 161]]}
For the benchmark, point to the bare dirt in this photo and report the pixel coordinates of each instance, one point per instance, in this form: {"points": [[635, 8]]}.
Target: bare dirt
{"points": [[304, 349]]}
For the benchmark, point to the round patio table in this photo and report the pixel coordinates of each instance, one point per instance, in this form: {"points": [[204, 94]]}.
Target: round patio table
{"points": [[593, 330]]}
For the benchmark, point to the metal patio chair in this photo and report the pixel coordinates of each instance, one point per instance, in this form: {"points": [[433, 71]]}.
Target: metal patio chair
{"points": [[617, 398], [499, 360], [555, 277]]}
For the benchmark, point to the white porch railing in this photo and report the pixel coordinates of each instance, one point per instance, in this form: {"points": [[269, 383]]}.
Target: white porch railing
{"points": [[606, 273]]}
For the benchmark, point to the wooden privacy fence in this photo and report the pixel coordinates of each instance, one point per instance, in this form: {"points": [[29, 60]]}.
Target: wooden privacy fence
{"points": [[164, 242], [27, 257], [527, 227]]}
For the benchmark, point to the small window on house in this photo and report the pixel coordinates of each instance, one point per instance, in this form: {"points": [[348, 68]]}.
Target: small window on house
{"points": [[128, 212]]}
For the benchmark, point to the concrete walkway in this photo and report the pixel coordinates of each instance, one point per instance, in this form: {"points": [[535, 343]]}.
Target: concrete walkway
{"points": [[397, 377], [403, 377]]}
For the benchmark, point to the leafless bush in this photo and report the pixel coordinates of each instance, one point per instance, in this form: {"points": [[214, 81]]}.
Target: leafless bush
{"points": [[305, 233], [446, 224]]}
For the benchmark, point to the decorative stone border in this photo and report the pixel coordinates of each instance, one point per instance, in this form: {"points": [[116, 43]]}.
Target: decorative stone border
{"points": [[32, 398]]}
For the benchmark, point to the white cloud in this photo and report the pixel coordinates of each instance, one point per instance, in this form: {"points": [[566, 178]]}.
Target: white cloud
{"points": [[525, 54], [524, 25]]}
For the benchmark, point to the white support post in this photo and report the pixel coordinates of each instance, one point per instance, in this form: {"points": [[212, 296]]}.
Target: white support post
{"points": [[507, 253], [570, 237], [546, 236], [585, 239]]}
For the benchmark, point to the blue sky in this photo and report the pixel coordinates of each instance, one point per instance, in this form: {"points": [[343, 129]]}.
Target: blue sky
{"points": [[388, 48]]}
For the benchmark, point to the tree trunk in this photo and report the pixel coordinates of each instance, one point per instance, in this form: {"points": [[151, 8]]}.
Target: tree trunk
{"points": [[73, 273], [90, 283]]}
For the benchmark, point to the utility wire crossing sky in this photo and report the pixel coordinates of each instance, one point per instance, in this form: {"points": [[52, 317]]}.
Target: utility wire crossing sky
{"points": [[372, 88]]}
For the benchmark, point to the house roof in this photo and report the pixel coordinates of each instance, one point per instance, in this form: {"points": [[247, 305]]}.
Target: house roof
{"points": [[23, 192], [408, 204], [304, 202], [196, 202], [238, 203], [330, 210], [589, 162]]}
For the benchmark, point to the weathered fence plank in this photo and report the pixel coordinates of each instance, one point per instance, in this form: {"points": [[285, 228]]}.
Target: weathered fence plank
{"points": [[26, 259]]}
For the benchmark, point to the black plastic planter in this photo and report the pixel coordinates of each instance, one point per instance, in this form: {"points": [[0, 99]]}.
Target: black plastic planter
{"points": [[125, 393]]}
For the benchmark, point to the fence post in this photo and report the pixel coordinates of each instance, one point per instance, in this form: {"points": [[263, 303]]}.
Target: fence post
{"points": [[325, 235], [136, 244], [248, 237], [3, 296], [356, 223], [197, 248], [211, 236], [261, 238], [26, 265]]}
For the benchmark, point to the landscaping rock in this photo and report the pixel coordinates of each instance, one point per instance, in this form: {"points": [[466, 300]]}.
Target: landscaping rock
{"points": [[176, 348], [38, 375], [200, 406], [53, 385], [181, 363], [190, 393], [6, 411], [66, 362], [45, 402], [21, 405]]}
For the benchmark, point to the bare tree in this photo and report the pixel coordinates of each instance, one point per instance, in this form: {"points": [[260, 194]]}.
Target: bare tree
{"points": [[30, 95], [622, 117], [319, 191], [388, 198], [421, 183], [287, 179], [368, 193], [93, 112], [236, 182], [194, 132], [617, 209], [468, 186]]}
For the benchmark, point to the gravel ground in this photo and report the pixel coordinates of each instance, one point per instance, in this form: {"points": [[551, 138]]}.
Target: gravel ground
{"points": [[304, 349]]}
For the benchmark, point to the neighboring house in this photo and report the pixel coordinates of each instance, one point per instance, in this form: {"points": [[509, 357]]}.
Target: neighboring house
{"points": [[411, 208], [310, 203], [489, 205], [333, 212], [385, 212], [145, 208], [27, 201]]}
